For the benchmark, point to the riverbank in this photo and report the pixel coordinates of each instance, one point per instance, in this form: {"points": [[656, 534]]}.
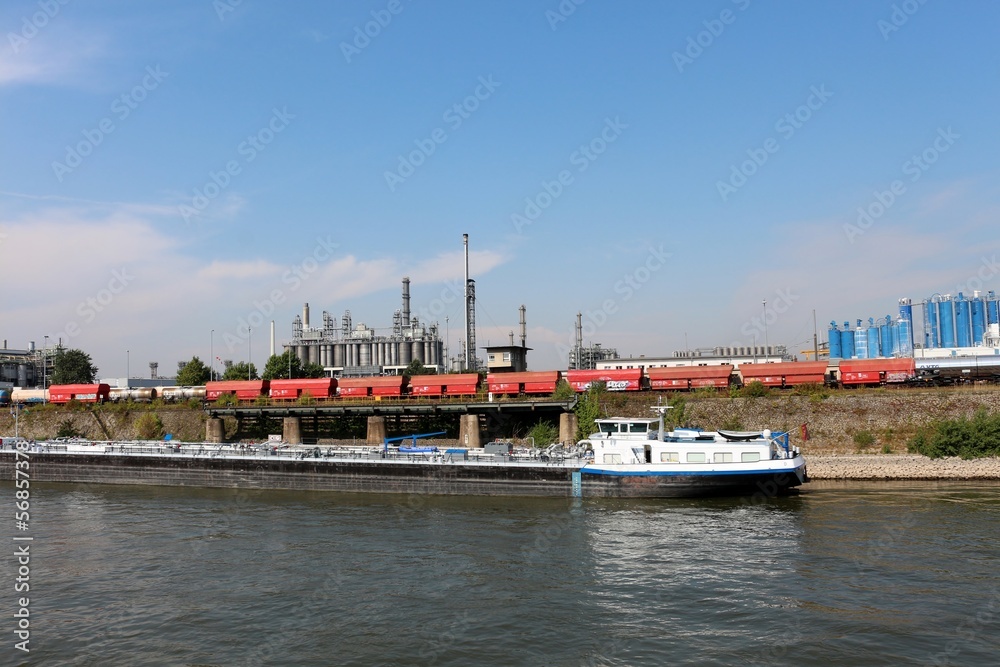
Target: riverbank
{"points": [[875, 467]]}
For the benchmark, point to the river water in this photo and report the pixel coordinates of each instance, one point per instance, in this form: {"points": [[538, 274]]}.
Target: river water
{"points": [[841, 574]]}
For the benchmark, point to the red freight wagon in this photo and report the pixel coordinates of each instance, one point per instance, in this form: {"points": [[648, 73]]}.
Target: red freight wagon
{"points": [[785, 374], [388, 385], [625, 379], [284, 390], [84, 393], [530, 382], [687, 377], [244, 390], [457, 384], [854, 372]]}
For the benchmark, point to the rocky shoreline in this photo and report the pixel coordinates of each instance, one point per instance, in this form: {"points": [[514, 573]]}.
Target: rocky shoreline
{"points": [[900, 467]]}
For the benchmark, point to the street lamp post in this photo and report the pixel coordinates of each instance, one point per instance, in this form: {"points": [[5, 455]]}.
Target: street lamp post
{"points": [[249, 338], [127, 373]]}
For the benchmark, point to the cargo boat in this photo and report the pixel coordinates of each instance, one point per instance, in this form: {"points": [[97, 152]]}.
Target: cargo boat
{"points": [[626, 457]]}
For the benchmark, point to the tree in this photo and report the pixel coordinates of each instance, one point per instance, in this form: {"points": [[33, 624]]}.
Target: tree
{"points": [[194, 374], [417, 367], [73, 367], [278, 365], [241, 371]]}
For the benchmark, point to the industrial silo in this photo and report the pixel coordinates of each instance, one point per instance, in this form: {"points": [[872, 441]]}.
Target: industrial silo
{"points": [[860, 342], [992, 309], [905, 328], [833, 341], [873, 349], [963, 324], [906, 313], [978, 307], [885, 338], [847, 341], [946, 314], [931, 331]]}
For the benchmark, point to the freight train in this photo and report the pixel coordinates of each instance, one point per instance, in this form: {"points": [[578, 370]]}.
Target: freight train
{"points": [[841, 373]]}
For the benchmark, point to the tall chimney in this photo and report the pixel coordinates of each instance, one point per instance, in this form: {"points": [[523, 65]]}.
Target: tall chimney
{"points": [[524, 327], [305, 316], [579, 339], [511, 339], [468, 307], [406, 302], [272, 338]]}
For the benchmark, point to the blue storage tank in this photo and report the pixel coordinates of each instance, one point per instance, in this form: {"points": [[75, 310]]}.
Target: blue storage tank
{"points": [[861, 342], [873, 350], [963, 325], [833, 340], [885, 340], [847, 341], [978, 307], [905, 328], [946, 314], [906, 313], [931, 318], [992, 309]]}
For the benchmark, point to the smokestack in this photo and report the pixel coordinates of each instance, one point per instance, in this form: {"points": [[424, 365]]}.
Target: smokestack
{"points": [[272, 338], [524, 327], [468, 306], [406, 302], [579, 338], [511, 339], [305, 316]]}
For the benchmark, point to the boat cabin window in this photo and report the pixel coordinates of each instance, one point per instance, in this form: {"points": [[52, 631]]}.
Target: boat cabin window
{"points": [[750, 457], [612, 458], [609, 428], [669, 457], [696, 457], [723, 457], [640, 427]]}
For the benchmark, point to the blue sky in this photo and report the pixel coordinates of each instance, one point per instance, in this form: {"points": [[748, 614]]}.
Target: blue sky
{"points": [[173, 168]]}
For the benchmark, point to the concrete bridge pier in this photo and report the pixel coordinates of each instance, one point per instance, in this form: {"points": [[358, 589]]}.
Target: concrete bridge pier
{"points": [[214, 430], [468, 431], [376, 431], [567, 428], [291, 430]]}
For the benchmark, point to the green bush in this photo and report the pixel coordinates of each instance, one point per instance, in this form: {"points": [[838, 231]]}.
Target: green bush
{"points": [[67, 430], [755, 389], [864, 439], [149, 426], [977, 437], [544, 434], [227, 400]]}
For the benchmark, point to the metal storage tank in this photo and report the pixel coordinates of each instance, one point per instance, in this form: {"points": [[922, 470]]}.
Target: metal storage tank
{"points": [[860, 342], [847, 341], [405, 353], [946, 314], [885, 338], [905, 328], [992, 309], [932, 332], [338, 354], [978, 307], [963, 325], [873, 349], [833, 341], [906, 313]]}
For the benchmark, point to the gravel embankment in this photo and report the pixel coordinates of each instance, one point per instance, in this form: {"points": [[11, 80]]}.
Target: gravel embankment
{"points": [[885, 467]]}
